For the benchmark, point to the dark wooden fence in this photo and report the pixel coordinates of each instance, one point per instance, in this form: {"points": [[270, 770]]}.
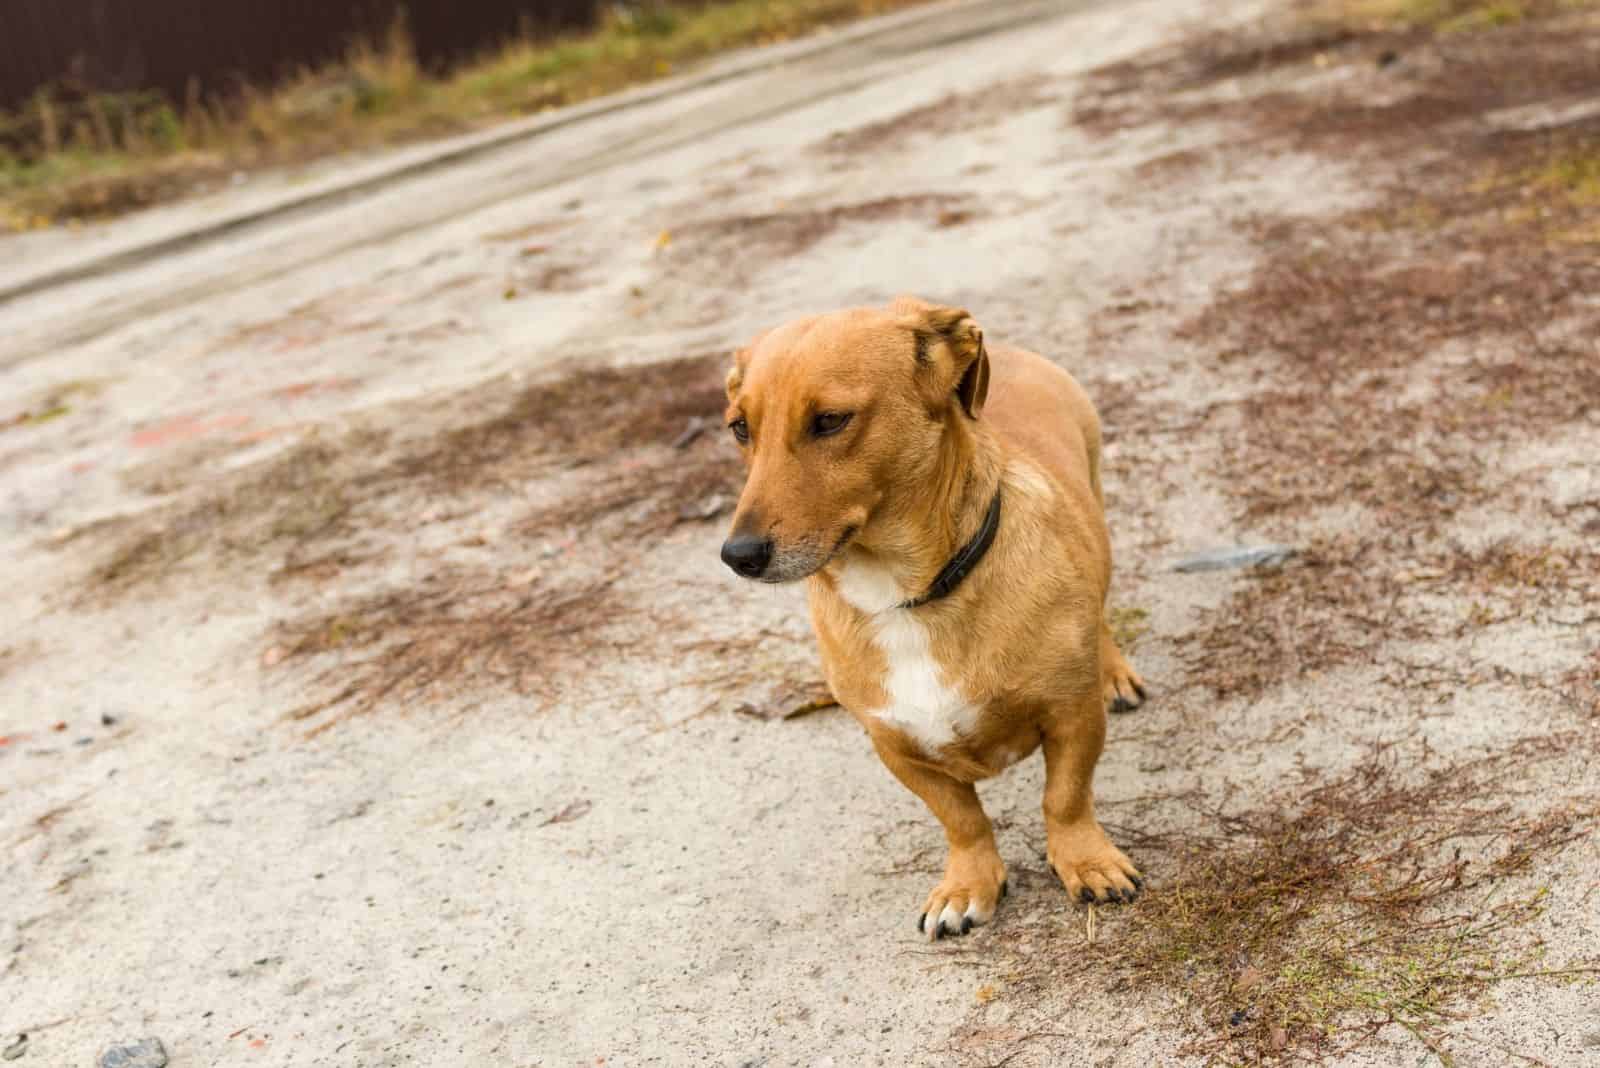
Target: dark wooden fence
{"points": [[121, 45]]}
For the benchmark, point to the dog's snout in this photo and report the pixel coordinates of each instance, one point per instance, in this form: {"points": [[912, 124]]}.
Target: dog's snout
{"points": [[747, 554]]}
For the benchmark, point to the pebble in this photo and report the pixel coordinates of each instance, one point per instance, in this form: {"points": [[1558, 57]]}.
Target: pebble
{"points": [[709, 508], [1236, 557], [145, 1053]]}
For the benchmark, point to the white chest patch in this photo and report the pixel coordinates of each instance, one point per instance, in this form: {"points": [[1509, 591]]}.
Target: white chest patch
{"points": [[921, 704]]}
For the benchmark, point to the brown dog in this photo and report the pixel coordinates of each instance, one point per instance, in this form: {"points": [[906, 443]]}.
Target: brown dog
{"points": [[943, 501]]}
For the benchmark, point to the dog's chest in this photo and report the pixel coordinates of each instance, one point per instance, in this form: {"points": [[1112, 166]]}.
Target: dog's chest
{"points": [[921, 702]]}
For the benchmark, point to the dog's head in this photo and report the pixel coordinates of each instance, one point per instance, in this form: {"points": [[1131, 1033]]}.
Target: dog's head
{"points": [[838, 417]]}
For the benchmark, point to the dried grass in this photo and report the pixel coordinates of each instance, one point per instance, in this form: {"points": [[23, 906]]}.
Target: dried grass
{"points": [[726, 245], [312, 509], [449, 635], [1348, 903]]}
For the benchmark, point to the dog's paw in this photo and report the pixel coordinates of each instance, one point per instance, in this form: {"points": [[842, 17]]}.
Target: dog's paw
{"points": [[1092, 869], [1121, 685], [972, 887]]}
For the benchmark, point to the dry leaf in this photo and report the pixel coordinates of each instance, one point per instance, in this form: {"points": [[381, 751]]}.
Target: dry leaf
{"points": [[987, 993]]}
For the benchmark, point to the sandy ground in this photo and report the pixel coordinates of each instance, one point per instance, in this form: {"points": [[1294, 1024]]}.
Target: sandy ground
{"points": [[371, 693]]}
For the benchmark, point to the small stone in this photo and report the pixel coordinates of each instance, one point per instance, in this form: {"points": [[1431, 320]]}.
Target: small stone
{"points": [[107, 720], [145, 1053], [1236, 557], [709, 508], [525, 578], [694, 429]]}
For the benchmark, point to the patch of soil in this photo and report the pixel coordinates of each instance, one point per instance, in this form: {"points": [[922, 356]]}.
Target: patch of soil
{"points": [[955, 113], [15, 654]]}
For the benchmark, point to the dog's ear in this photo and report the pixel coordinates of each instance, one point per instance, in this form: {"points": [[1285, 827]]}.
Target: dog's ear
{"points": [[949, 350]]}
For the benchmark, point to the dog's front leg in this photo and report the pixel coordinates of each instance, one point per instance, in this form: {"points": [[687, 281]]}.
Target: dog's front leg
{"points": [[974, 875], [1091, 867]]}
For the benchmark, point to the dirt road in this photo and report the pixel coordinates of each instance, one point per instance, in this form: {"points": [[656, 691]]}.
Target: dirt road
{"points": [[371, 693]]}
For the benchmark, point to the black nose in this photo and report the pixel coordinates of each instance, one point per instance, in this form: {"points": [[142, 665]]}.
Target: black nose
{"points": [[747, 555]]}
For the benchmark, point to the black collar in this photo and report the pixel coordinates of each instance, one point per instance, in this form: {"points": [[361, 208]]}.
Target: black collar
{"points": [[965, 559]]}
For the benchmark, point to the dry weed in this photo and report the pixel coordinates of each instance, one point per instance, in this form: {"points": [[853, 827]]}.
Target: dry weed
{"points": [[1390, 893], [312, 509]]}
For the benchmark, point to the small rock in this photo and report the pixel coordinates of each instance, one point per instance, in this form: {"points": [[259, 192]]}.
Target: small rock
{"points": [[145, 1053], [695, 427], [709, 508], [1238, 1018], [107, 720], [16, 1049], [524, 578], [1236, 557]]}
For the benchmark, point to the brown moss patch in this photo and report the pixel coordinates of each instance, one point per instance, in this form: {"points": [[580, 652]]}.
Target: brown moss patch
{"points": [[954, 113], [625, 429], [1343, 602], [306, 496], [1342, 908], [450, 635], [462, 635], [734, 239], [1387, 894], [1369, 84]]}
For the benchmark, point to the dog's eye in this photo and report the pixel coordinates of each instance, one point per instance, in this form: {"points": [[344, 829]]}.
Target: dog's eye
{"points": [[828, 423], [741, 431]]}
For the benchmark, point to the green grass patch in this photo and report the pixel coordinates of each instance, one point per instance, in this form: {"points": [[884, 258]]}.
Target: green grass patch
{"points": [[1128, 625]]}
